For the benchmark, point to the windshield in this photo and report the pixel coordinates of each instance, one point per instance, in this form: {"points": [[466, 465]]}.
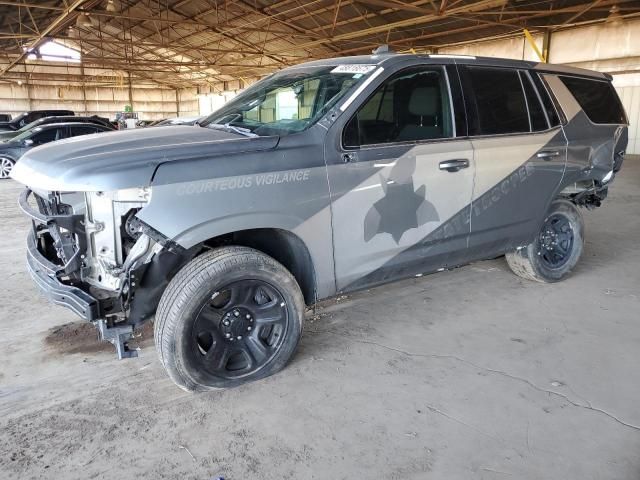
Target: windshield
{"points": [[289, 101], [26, 134]]}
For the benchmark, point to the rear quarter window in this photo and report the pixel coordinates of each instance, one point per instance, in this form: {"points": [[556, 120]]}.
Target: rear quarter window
{"points": [[547, 101], [536, 112], [597, 98]]}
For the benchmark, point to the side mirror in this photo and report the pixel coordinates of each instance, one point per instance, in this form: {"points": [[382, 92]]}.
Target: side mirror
{"points": [[27, 142]]}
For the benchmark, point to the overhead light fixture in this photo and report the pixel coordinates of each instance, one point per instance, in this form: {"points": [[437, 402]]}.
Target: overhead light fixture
{"points": [[111, 6], [83, 20], [614, 17]]}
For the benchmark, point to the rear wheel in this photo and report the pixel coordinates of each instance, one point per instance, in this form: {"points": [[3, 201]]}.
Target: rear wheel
{"points": [[230, 316], [6, 165], [555, 250]]}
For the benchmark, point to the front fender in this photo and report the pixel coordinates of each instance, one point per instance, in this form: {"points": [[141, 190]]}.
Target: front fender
{"points": [[295, 201], [234, 223]]}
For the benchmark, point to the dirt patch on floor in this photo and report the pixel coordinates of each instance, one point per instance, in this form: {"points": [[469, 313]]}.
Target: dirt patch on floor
{"points": [[82, 337]]}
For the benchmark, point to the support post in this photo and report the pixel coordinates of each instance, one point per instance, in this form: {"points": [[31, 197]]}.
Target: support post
{"points": [[130, 92], [28, 85], [546, 45], [532, 42], [84, 89]]}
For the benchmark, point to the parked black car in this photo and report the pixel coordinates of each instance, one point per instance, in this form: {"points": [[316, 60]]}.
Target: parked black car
{"points": [[5, 117], [7, 135], [28, 117], [12, 150]]}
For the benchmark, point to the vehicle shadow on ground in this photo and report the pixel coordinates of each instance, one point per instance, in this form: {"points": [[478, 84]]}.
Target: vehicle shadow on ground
{"points": [[82, 337]]}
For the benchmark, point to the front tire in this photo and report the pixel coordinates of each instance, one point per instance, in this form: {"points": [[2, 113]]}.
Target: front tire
{"points": [[555, 250], [230, 316]]}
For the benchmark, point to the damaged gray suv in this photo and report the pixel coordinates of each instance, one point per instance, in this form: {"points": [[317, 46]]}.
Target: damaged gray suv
{"points": [[327, 177]]}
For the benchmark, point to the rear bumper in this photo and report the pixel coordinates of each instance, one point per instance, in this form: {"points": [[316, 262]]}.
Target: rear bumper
{"points": [[43, 273]]}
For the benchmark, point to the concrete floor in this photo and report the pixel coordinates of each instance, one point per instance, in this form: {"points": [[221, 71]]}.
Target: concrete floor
{"points": [[472, 373]]}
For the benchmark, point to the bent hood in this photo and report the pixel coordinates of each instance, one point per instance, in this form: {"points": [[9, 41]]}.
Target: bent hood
{"points": [[125, 159]]}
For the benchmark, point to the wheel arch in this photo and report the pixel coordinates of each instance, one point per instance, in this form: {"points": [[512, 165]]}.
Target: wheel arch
{"points": [[284, 246]]}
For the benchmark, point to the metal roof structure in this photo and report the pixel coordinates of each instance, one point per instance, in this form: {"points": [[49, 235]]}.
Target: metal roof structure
{"points": [[185, 43]]}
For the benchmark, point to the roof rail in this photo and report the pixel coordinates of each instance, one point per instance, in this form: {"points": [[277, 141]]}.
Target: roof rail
{"points": [[446, 55]]}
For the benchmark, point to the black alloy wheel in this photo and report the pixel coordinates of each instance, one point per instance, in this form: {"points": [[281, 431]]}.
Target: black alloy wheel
{"points": [[556, 241], [555, 249], [239, 329]]}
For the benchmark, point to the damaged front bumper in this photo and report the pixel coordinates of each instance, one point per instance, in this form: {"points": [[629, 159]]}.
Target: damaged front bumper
{"points": [[62, 235], [59, 233], [44, 274]]}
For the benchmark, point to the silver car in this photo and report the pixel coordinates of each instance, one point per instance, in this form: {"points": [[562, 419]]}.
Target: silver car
{"points": [[324, 178]]}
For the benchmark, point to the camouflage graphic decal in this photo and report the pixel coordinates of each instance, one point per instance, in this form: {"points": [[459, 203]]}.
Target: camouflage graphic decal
{"points": [[473, 227], [411, 261], [402, 207]]}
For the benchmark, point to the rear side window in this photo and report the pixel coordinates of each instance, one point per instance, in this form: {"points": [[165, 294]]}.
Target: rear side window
{"points": [[46, 136], [597, 98], [500, 101], [77, 131]]}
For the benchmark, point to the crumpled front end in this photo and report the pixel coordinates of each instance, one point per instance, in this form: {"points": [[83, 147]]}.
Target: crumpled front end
{"points": [[85, 251], [55, 247]]}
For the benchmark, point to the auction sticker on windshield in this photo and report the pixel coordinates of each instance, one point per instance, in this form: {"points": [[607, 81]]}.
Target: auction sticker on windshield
{"points": [[355, 68]]}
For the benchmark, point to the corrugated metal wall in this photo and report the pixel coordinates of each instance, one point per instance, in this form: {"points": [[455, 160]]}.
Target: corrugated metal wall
{"points": [[188, 106], [631, 100], [150, 103]]}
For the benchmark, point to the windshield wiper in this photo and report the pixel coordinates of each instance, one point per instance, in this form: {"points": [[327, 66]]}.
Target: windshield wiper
{"points": [[232, 128]]}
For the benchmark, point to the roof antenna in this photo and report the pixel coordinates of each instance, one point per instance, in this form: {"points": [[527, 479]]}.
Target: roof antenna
{"points": [[383, 49]]}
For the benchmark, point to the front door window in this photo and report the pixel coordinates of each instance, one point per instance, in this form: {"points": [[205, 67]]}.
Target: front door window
{"points": [[411, 106]]}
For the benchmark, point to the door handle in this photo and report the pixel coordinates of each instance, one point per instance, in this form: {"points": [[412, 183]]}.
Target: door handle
{"points": [[454, 165], [548, 154]]}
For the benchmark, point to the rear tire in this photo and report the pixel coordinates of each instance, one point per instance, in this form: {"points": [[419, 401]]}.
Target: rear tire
{"points": [[230, 316], [555, 250]]}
